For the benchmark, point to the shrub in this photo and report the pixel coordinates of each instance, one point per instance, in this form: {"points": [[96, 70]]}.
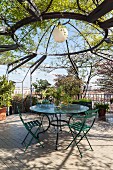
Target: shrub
{"points": [[85, 100], [27, 102]]}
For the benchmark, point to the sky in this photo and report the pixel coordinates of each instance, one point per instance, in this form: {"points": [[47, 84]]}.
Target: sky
{"points": [[18, 75]]}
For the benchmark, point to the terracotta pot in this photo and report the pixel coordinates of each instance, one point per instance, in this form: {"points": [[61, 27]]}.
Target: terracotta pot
{"points": [[3, 113], [102, 113]]}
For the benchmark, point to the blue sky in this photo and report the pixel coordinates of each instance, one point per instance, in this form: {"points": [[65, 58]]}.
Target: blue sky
{"points": [[19, 75]]}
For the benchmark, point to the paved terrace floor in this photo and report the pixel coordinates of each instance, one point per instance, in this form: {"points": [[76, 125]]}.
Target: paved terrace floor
{"points": [[12, 156]]}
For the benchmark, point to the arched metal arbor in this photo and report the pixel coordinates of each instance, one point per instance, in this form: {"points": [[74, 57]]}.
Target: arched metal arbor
{"points": [[93, 18], [101, 8]]}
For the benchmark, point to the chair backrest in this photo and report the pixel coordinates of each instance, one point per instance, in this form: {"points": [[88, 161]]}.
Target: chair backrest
{"points": [[76, 123], [92, 111], [90, 117], [80, 122]]}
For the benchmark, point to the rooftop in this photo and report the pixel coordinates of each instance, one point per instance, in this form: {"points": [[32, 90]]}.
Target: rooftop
{"points": [[12, 156]]}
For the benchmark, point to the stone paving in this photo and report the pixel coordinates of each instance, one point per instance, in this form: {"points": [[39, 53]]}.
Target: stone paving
{"points": [[12, 156]]}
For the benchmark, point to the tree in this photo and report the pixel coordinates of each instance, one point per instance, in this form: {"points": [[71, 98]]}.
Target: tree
{"points": [[105, 80], [41, 85], [70, 84]]}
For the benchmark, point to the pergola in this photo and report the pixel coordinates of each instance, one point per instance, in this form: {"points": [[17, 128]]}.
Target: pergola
{"points": [[95, 17], [100, 9], [98, 18]]}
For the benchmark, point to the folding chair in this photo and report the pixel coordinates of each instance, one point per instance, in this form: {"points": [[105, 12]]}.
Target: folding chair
{"points": [[29, 127], [80, 125]]}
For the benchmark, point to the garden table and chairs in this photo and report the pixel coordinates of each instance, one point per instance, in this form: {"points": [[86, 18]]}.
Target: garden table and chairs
{"points": [[78, 118], [57, 116]]}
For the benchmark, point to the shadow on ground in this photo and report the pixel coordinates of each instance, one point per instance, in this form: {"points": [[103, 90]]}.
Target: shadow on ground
{"points": [[12, 156]]}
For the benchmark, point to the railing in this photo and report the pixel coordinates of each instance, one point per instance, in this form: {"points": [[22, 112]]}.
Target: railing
{"points": [[101, 98]]}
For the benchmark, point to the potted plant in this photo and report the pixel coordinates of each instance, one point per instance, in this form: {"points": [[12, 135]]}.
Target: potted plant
{"points": [[55, 93], [6, 90], [45, 101], [103, 107]]}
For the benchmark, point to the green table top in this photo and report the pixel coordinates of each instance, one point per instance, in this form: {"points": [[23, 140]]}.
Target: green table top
{"points": [[52, 109]]}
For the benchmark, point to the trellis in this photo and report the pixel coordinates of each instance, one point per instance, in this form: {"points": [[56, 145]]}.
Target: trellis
{"points": [[93, 18], [36, 16]]}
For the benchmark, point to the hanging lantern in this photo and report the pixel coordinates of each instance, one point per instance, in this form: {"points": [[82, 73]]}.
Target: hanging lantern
{"points": [[60, 33], [2, 29]]}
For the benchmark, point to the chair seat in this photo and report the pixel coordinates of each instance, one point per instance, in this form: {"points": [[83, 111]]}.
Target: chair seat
{"points": [[32, 124]]}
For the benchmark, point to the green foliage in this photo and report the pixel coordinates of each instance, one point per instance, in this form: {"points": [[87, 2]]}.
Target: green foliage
{"points": [[74, 101], [45, 101], [70, 84], [66, 99], [27, 102], [67, 87], [6, 91], [101, 106], [57, 94], [85, 100], [81, 100], [41, 85]]}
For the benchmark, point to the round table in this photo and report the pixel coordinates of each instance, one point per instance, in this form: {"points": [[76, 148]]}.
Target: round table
{"points": [[63, 109], [50, 110]]}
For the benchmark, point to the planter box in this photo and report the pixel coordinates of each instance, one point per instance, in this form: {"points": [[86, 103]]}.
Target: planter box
{"points": [[3, 113], [88, 104]]}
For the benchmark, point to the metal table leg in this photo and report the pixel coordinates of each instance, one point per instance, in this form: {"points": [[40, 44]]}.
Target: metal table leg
{"points": [[49, 122]]}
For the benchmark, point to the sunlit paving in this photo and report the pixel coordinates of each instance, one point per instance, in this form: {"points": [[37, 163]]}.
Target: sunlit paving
{"points": [[56, 85], [12, 155]]}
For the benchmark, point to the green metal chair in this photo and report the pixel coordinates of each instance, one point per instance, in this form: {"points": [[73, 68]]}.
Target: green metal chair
{"points": [[80, 125], [29, 125]]}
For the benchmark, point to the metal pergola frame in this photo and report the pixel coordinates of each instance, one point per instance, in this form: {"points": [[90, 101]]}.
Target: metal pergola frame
{"points": [[36, 15]]}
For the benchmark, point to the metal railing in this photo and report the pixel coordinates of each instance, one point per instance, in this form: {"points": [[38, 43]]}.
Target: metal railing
{"points": [[101, 98]]}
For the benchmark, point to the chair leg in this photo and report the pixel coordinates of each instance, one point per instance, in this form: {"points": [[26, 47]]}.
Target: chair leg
{"points": [[78, 149], [38, 139], [75, 144], [73, 138], [88, 142], [32, 139], [25, 138]]}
